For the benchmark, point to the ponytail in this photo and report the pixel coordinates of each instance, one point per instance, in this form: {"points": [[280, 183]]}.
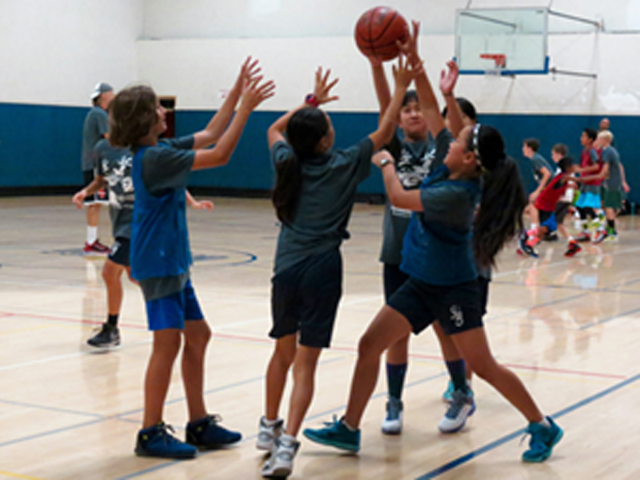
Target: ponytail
{"points": [[503, 197], [305, 129]]}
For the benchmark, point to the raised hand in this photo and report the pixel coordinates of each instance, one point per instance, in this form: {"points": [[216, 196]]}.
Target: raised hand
{"points": [[405, 72], [248, 72], [449, 78], [254, 92], [410, 47], [323, 87]]}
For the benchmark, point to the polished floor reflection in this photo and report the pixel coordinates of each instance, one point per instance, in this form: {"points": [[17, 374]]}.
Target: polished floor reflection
{"points": [[569, 327]]}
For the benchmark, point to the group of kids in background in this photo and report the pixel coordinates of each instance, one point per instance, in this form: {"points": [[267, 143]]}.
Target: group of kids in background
{"points": [[597, 200], [454, 200]]}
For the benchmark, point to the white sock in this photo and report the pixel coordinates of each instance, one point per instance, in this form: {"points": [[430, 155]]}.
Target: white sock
{"points": [[545, 423], [349, 427], [270, 423], [92, 234]]}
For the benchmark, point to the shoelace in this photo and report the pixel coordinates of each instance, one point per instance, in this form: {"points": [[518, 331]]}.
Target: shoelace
{"points": [[335, 421]]}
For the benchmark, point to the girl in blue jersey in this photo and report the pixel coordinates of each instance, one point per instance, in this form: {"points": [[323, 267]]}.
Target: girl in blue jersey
{"points": [[160, 253], [438, 256], [314, 195]]}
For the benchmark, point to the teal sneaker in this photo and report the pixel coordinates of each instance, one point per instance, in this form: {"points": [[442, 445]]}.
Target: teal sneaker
{"points": [[156, 441], [335, 434], [542, 441], [206, 433], [447, 396]]}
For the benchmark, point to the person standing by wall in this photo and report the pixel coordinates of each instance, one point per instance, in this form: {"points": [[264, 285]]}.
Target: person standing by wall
{"points": [[96, 127]]}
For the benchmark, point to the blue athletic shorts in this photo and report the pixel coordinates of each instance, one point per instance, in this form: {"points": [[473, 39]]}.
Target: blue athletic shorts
{"points": [[548, 219], [172, 311], [589, 200]]}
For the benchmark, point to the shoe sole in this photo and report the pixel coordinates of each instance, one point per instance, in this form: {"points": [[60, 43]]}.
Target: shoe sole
{"points": [[175, 457], [278, 472], [104, 347], [391, 431], [545, 457], [339, 445]]}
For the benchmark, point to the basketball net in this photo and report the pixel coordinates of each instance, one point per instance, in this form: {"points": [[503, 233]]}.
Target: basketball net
{"points": [[499, 63]]}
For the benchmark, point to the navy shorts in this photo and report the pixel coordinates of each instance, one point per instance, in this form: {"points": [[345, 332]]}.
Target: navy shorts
{"points": [[305, 297], [562, 208], [172, 311], [456, 307], [119, 252], [393, 278]]}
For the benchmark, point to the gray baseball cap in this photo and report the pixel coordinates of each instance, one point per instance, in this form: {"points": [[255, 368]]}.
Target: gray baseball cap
{"points": [[101, 88]]}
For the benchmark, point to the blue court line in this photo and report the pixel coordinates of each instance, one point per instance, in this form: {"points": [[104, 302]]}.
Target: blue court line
{"points": [[572, 287], [51, 409], [538, 305], [51, 432], [606, 320], [507, 438]]}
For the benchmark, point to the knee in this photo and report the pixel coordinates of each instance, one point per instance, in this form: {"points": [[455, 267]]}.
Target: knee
{"points": [[368, 348], [199, 340]]}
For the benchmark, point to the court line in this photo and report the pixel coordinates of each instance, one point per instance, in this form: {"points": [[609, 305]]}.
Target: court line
{"points": [[39, 435], [18, 475], [51, 409], [609, 319], [501, 441]]}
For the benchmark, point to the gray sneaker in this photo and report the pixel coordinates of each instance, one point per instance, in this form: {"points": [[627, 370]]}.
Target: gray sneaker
{"points": [[461, 407], [392, 424], [268, 433], [108, 336], [280, 463]]}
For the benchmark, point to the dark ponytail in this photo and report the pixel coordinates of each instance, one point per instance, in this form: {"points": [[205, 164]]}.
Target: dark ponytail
{"points": [[503, 197], [305, 129]]}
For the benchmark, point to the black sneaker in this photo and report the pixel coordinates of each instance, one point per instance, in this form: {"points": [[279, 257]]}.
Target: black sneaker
{"points": [[108, 336], [207, 433], [551, 237]]}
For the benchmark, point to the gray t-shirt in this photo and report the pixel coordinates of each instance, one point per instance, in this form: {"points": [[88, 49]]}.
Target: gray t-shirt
{"points": [[96, 125], [325, 201], [414, 162], [611, 156], [538, 162], [114, 164], [165, 169]]}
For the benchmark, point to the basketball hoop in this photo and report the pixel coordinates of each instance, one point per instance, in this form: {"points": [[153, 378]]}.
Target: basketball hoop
{"points": [[499, 63]]}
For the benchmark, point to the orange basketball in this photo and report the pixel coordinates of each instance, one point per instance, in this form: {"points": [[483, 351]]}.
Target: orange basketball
{"points": [[378, 30]]}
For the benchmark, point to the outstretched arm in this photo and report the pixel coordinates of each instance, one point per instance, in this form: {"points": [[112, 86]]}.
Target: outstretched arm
{"points": [[253, 94], [198, 205], [321, 94], [448, 80], [214, 130], [96, 185], [403, 73], [381, 85], [398, 196], [428, 102]]}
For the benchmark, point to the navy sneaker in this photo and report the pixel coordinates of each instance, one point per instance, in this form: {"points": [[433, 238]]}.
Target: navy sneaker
{"points": [[206, 433], [156, 441], [543, 439], [335, 434]]}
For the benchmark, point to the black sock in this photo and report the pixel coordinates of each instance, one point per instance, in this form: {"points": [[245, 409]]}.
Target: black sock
{"points": [[611, 224], [112, 320]]}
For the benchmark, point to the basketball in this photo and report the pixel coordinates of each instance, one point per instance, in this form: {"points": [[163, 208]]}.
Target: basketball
{"points": [[378, 30]]}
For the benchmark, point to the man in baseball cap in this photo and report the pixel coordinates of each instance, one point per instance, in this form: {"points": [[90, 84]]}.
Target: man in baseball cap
{"points": [[96, 127]]}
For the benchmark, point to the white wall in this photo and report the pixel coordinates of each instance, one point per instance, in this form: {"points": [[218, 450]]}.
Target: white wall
{"points": [[55, 51], [194, 52]]}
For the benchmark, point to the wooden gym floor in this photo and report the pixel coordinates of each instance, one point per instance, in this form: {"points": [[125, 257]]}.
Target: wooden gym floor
{"points": [[568, 327]]}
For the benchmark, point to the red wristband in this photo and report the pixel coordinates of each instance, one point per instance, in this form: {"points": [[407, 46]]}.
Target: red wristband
{"points": [[311, 100]]}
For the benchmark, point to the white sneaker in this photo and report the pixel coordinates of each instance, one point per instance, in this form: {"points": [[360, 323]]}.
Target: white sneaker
{"points": [[461, 407], [268, 433], [392, 424], [280, 463]]}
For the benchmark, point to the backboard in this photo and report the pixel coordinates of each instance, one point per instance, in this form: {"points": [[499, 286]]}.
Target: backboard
{"points": [[502, 41]]}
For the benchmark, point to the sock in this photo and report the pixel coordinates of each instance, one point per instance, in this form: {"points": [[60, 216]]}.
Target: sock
{"points": [[545, 423], [349, 427], [270, 423], [112, 320], [92, 234], [395, 379], [611, 225], [458, 373]]}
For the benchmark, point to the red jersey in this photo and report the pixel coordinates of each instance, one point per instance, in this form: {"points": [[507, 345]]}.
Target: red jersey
{"points": [[548, 198], [586, 160]]}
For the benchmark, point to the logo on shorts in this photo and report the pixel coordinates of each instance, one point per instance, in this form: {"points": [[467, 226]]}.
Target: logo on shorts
{"points": [[456, 315]]}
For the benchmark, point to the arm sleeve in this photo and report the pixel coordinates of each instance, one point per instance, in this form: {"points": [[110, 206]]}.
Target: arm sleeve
{"points": [[280, 151], [361, 153], [166, 169], [180, 143], [102, 125], [443, 140]]}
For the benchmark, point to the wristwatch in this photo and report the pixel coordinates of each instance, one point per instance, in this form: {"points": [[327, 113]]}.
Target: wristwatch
{"points": [[385, 161]]}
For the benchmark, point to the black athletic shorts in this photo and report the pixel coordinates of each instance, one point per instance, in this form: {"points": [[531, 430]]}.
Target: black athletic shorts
{"points": [[119, 252]]}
